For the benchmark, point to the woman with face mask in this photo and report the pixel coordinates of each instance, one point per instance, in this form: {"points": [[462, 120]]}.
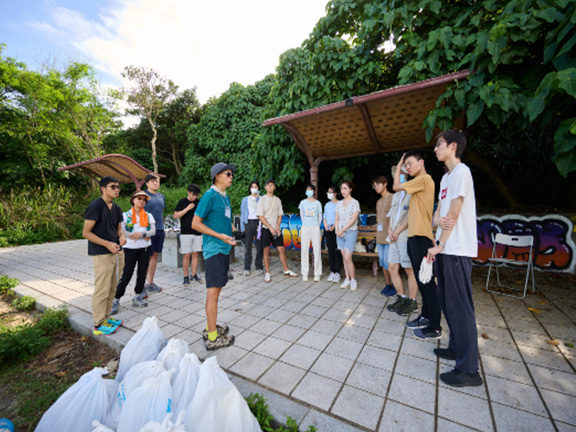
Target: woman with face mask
{"points": [[347, 212], [334, 255], [249, 225], [311, 216]]}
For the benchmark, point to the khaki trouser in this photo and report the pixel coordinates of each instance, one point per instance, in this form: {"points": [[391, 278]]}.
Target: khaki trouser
{"points": [[105, 282]]}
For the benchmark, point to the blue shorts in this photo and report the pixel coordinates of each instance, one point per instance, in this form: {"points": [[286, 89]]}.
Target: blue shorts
{"points": [[216, 270], [383, 255], [347, 242], [157, 242]]}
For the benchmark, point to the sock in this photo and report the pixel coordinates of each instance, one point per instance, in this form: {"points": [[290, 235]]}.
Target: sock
{"points": [[403, 295], [213, 335]]}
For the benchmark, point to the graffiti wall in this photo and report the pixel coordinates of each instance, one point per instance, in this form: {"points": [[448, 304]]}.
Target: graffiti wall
{"points": [[554, 248]]}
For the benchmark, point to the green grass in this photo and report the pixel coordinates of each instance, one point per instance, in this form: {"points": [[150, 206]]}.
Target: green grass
{"points": [[259, 408]]}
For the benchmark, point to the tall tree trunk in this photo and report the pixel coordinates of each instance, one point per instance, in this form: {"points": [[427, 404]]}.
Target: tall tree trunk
{"points": [[153, 142]]}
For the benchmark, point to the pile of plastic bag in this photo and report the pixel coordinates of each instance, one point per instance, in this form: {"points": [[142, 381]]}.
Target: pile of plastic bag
{"points": [[160, 387]]}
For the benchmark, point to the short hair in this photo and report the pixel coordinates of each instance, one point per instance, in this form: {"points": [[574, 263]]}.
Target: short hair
{"points": [[194, 188], [311, 186], [334, 188], [105, 181], [453, 135], [380, 179], [348, 183], [149, 177], [416, 153], [250, 186]]}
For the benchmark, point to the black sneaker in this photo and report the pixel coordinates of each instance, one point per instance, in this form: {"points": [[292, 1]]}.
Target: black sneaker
{"points": [[457, 378], [221, 329], [186, 281], [445, 353], [408, 307], [397, 304], [195, 278], [220, 342], [428, 333], [230, 275], [419, 323]]}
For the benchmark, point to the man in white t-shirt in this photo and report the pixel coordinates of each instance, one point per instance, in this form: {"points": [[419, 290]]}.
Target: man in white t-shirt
{"points": [[456, 245], [269, 212]]}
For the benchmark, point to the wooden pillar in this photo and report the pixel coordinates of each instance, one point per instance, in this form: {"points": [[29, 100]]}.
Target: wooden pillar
{"points": [[314, 164]]}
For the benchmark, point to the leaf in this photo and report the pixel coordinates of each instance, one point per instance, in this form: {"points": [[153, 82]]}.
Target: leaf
{"points": [[485, 336], [474, 111], [553, 342], [569, 345], [542, 302], [567, 80], [535, 310]]}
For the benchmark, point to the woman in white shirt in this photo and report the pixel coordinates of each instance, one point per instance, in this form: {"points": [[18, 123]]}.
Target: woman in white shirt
{"points": [[249, 225], [347, 212], [311, 216]]}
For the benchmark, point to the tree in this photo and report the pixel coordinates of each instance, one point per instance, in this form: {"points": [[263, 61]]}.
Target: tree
{"points": [[148, 97]]}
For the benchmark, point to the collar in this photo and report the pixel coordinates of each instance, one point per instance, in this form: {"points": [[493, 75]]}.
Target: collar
{"points": [[219, 191]]}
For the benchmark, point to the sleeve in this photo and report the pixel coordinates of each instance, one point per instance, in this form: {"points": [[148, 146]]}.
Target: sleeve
{"points": [[92, 212], [415, 185], [462, 181], [356, 207], [119, 215], [152, 231], [179, 206], [204, 206], [281, 210], [260, 207]]}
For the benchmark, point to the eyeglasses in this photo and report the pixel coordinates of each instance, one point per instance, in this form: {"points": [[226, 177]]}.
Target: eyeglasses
{"points": [[114, 187], [439, 143]]}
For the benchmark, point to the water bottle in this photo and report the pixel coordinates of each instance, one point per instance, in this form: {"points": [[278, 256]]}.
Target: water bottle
{"points": [[6, 425]]}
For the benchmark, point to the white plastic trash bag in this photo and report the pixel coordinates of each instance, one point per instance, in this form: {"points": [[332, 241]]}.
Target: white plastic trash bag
{"points": [[79, 406], [144, 345], [185, 382], [133, 379], [425, 273], [99, 427], [218, 406], [172, 353], [167, 425], [151, 401]]}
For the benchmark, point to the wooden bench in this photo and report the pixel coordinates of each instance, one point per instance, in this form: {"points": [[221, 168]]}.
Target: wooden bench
{"points": [[367, 232]]}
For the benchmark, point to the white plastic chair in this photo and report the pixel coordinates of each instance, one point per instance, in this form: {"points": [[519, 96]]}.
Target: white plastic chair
{"points": [[511, 242]]}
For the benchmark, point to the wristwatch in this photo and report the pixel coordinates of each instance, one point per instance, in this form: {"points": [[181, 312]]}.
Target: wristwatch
{"points": [[440, 244], [143, 235]]}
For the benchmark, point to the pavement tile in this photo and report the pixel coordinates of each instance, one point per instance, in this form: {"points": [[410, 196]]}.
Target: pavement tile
{"points": [[252, 366], [377, 357], [289, 333], [272, 347], [554, 380], [304, 321], [359, 407], [545, 358], [450, 426], [413, 393], [265, 326], [370, 379], [324, 422], [385, 340], [314, 311], [327, 327], [499, 349], [561, 406], [281, 315], [507, 369], [455, 406], [515, 395], [282, 377], [510, 419], [315, 340], [300, 356], [249, 339], [332, 366], [344, 348], [317, 390], [260, 311], [226, 357], [402, 418], [417, 367], [355, 333]]}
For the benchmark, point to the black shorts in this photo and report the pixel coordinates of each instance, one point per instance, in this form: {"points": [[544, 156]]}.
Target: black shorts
{"points": [[216, 270], [157, 242], [267, 239]]}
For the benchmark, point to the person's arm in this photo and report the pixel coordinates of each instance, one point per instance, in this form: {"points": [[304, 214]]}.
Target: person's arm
{"points": [[447, 224], [278, 223], [352, 221], [121, 236], [90, 236], [397, 185], [198, 225], [180, 213]]}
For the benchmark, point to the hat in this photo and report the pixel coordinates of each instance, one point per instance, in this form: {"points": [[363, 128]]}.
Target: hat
{"points": [[403, 171], [270, 181], [219, 167], [139, 193]]}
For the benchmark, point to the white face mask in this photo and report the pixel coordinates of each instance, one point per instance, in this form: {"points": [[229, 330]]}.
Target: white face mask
{"points": [[254, 191], [309, 193], [330, 196]]}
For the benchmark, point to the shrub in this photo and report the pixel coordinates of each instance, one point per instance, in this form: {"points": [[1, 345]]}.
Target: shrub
{"points": [[259, 408], [24, 303], [53, 318], [6, 285]]}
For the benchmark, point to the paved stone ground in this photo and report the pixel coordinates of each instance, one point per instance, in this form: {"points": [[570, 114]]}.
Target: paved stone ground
{"points": [[338, 359]]}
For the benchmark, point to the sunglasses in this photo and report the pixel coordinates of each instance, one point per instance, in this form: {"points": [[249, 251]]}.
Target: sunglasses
{"points": [[140, 198], [114, 187], [229, 174]]}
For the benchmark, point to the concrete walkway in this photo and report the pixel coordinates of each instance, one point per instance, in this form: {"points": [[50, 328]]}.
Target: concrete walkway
{"points": [[338, 359]]}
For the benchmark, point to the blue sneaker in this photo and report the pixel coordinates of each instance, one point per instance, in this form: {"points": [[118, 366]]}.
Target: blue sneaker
{"points": [[105, 328], [152, 289], [388, 291], [117, 323]]}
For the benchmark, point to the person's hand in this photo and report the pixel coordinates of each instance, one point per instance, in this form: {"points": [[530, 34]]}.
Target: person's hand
{"points": [[113, 247], [392, 235], [123, 240], [401, 161], [446, 223], [433, 251], [228, 239], [135, 236]]}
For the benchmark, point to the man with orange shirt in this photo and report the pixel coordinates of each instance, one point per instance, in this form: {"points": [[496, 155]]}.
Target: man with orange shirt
{"points": [[420, 212]]}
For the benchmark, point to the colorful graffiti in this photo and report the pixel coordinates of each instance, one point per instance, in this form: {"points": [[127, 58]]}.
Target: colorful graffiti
{"points": [[554, 248]]}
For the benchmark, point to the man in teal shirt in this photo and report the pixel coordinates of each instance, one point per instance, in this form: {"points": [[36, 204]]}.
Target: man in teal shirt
{"points": [[213, 219]]}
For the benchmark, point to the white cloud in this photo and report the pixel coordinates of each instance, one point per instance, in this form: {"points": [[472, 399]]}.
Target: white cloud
{"points": [[194, 43]]}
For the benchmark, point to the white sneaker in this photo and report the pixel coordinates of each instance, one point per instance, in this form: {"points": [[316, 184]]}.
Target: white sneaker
{"points": [[246, 272], [331, 277], [336, 277], [353, 285], [304, 278], [267, 277], [259, 272], [290, 273], [345, 283], [317, 278]]}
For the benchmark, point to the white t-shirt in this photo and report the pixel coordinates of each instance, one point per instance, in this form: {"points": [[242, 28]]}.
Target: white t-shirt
{"points": [[463, 240], [140, 243]]}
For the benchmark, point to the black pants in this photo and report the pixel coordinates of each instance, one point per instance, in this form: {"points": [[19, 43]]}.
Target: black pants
{"points": [[334, 255], [141, 257], [454, 274], [251, 229], [417, 249]]}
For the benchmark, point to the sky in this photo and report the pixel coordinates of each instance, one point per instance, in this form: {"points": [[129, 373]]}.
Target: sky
{"points": [[204, 44]]}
